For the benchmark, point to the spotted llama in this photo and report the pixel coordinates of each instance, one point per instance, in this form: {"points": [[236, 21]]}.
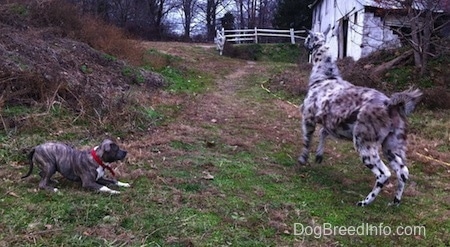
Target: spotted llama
{"points": [[366, 116]]}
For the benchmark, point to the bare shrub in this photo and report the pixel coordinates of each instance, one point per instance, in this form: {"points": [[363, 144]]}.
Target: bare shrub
{"points": [[158, 61], [293, 82], [437, 97], [357, 73], [56, 13], [110, 39], [72, 23]]}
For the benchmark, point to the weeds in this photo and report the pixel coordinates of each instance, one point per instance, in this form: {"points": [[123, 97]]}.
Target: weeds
{"points": [[285, 53]]}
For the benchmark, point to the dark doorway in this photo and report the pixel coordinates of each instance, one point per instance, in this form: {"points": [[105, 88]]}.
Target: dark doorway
{"points": [[343, 38]]}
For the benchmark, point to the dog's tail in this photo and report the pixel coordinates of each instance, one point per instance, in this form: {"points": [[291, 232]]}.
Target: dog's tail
{"points": [[30, 160], [406, 101]]}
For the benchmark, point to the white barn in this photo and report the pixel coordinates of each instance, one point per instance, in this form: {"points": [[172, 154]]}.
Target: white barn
{"points": [[356, 31]]}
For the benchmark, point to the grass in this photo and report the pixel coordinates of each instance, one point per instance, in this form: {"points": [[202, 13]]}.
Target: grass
{"points": [[184, 82], [257, 196], [282, 52]]}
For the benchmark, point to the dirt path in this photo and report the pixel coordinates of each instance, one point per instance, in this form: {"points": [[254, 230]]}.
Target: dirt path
{"points": [[230, 112]]}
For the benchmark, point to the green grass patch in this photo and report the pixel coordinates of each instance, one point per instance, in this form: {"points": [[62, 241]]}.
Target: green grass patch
{"points": [[153, 115], [20, 9], [282, 52], [15, 111], [133, 73], [184, 81]]}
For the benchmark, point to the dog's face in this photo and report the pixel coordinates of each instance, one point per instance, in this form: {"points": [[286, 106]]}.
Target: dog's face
{"points": [[111, 152], [314, 40]]}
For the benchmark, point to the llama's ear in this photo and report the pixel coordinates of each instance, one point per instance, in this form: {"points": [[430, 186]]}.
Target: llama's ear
{"points": [[334, 32], [306, 30], [327, 30]]}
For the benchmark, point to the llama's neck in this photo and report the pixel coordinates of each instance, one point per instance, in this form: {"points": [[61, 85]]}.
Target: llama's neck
{"points": [[323, 66]]}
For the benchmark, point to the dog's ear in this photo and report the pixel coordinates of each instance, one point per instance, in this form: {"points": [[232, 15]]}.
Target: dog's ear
{"points": [[107, 145]]}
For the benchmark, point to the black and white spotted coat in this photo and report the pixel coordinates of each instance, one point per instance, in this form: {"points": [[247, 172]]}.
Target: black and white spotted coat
{"points": [[366, 116]]}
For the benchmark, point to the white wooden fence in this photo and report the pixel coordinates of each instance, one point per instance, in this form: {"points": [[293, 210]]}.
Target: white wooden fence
{"points": [[240, 35]]}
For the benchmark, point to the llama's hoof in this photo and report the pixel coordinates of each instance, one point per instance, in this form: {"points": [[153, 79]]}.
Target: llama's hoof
{"points": [[319, 159], [396, 202], [302, 160], [361, 204]]}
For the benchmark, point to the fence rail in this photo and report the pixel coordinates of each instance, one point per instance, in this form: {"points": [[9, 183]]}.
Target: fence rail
{"points": [[239, 35]]}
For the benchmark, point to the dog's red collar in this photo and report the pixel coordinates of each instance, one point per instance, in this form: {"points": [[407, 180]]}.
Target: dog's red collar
{"points": [[100, 162]]}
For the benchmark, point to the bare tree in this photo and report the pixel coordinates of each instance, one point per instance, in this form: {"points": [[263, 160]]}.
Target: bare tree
{"points": [[145, 18], [152, 14], [241, 13], [123, 11], [266, 12], [211, 17], [95, 7], [188, 11], [420, 29], [255, 13]]}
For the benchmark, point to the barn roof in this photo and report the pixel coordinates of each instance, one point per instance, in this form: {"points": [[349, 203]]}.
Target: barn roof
{"points": [[439, 5]]}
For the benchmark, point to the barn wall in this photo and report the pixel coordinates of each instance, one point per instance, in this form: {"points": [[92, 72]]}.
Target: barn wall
{"points": [[377, 36], [355, 32], [334, 13]]}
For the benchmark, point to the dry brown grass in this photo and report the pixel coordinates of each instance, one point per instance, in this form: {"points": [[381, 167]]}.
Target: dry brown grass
{"points": [[64, 58], [111, 40], [71, 22]]}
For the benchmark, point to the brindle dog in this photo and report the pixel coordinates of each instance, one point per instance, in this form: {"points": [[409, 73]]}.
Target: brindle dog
{"points": [[85, 166]]}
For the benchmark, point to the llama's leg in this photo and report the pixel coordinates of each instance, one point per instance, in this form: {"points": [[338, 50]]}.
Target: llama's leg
{"points": [[308, 127], [371, 159], [394, 149], [320, 147]]}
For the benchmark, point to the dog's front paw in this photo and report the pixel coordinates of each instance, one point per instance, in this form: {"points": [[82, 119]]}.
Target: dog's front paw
{"points": [[127, 185], [106, 189]]}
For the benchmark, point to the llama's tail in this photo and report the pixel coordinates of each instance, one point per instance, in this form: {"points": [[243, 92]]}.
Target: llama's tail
{"points": [[406, 100]]}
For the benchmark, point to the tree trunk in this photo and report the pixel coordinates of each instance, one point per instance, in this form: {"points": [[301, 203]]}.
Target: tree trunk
{"points": [[381, 69], [427, 29]]}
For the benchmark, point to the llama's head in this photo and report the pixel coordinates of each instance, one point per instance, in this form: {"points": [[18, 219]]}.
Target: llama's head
{"points": [[314, 40]]}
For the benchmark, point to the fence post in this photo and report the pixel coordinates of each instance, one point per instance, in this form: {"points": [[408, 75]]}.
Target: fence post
{"points": [[256, 35], [291, 31]]}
